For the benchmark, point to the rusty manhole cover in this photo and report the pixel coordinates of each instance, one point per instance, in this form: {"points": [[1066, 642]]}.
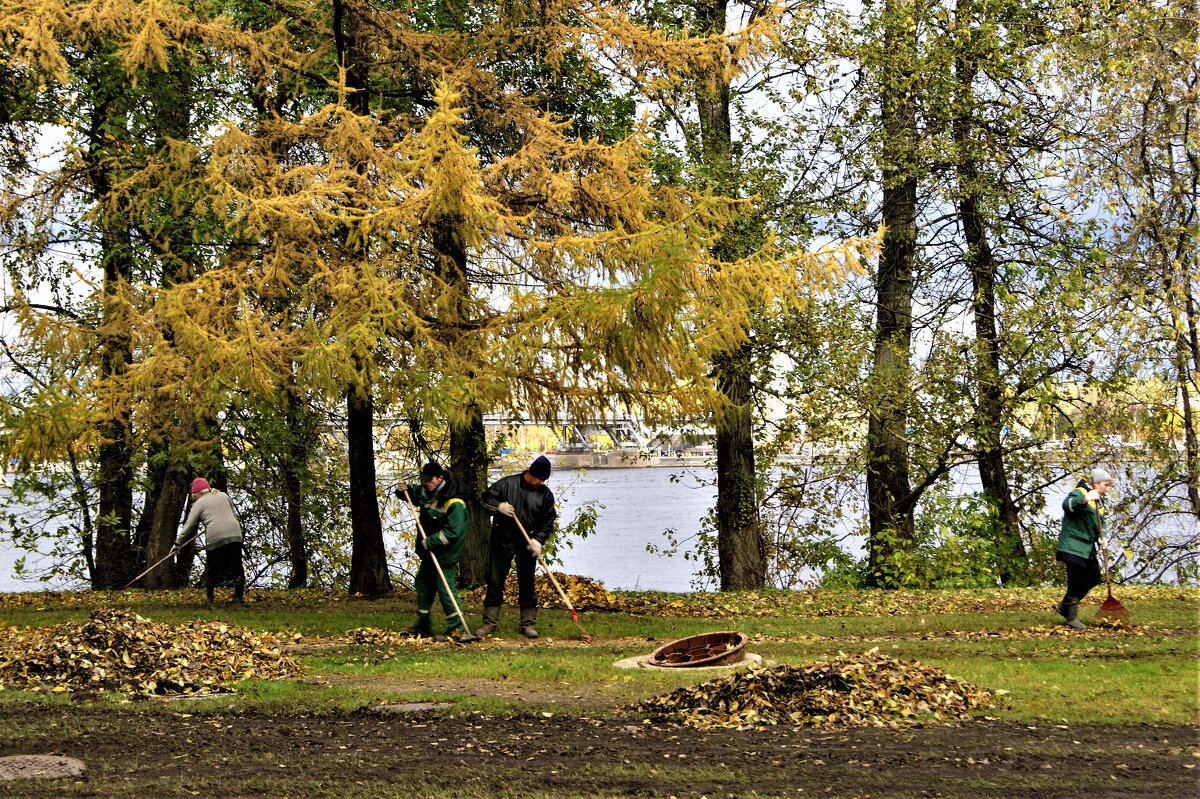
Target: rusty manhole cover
{"points": [[697, 651], [24, 767]]}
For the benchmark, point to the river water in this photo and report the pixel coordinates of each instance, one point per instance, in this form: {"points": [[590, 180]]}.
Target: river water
{"points": [[634, 508]]}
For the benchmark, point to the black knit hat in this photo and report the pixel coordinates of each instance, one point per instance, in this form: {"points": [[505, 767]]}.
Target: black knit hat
{"points": [[432, 469], [540, 468]]}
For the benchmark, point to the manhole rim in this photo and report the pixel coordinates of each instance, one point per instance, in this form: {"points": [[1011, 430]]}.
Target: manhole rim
{"points": [[733, 654]]}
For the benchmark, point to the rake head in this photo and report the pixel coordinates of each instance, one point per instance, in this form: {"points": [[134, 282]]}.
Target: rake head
{"points": [[1112, 611]]}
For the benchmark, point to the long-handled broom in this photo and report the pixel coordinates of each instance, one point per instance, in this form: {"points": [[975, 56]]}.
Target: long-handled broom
{"points": [[566, 601], [1111, 610]]}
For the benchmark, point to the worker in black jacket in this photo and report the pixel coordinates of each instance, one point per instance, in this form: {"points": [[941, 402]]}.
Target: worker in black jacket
{"points": [[523, 496]]}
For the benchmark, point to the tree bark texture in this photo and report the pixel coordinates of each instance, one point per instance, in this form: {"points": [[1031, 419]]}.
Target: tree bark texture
{"points": [[368, 556], [297, 454], [888, 482], [740, 542], [468, 443], [981, 263], [115, 558], [741, 548], [158, 526], [469, 462]]}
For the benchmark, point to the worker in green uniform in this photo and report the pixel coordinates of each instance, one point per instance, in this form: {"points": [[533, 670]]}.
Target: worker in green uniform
{"points": [[1082, 537], [441, 499]]}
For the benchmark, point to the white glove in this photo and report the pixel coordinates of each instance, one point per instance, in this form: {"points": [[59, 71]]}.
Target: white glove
{"points": [[1102, 542], [1093, 495], [507, 509], [535, 547]]}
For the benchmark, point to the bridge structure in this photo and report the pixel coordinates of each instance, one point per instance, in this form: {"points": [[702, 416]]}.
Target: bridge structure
{"points": [[616, 440]]}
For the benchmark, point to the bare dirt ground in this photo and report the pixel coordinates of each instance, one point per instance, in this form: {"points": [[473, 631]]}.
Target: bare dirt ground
{"points": [[131, 753]]}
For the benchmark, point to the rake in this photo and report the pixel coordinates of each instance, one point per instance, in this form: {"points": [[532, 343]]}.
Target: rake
{"points": [[1111, 610], [468, 636], [574, 613], [160, 561]]}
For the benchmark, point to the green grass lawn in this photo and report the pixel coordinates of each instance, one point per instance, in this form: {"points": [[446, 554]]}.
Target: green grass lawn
{"points": [[1002, 640]]}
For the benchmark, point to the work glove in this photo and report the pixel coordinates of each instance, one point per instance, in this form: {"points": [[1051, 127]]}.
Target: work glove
{"points": [[1102, 542], [507, 509], [1093, 495], [535, 547]]}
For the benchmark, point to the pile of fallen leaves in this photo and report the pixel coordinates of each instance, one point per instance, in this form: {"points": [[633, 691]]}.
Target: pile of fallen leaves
{"points": [[850, 690], [118, 650], [584, 592]]}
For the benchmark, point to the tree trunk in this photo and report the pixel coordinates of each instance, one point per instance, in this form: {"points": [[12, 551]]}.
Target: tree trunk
{"points": [[115, 558], [468, 442], [166, 495], [1187, 357], [888, 483], [990, 407], [741, 548], [296, 456], [469, 462], [981, 263], [368, 557], [740, 544]]}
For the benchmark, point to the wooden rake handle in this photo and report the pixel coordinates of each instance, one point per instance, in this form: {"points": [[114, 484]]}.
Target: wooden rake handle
{"points": [[441, 575], [174, 548], [550, 574]]}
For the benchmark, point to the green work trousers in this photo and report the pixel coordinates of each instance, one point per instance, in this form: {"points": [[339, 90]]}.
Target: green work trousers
{"points": [[428, 586]]}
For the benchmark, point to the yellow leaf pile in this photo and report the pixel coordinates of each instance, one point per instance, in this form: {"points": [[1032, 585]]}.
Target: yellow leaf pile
{"points": [[118, 650], [584, 592], [850, 690]]}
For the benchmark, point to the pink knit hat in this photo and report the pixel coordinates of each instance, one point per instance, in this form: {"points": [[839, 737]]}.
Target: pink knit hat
{"points": [[199, 484]]}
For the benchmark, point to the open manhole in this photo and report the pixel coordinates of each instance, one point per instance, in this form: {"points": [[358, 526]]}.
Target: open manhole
{"points": [[699, 651]]}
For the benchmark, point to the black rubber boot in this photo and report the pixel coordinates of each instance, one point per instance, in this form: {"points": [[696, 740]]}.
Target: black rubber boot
{"points": [[528, 619], [491, 619], [1070, 612]]}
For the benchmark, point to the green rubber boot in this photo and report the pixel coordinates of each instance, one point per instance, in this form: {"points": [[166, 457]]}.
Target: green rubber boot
{"points": [[421, 628]]}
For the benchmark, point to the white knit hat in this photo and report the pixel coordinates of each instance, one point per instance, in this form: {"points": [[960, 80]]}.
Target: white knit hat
{"points": [[1100, 476]]}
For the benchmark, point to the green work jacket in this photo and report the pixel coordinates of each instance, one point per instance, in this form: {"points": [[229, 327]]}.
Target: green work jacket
{"points": [[1082, 525], [443, 518]]}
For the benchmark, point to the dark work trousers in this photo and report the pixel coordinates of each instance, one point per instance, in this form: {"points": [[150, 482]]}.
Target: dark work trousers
{"points": [[1082, 575], [225, 565], [500, 560]]}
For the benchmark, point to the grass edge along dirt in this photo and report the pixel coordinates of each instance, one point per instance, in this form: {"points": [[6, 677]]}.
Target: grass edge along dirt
{"points": [[1124, 677]]}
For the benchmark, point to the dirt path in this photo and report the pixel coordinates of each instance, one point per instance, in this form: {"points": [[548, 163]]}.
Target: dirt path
{"points": [[130, 753]]}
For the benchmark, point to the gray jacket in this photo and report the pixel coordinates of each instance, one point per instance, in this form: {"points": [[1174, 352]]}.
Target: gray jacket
{"points": [[214, 510]]}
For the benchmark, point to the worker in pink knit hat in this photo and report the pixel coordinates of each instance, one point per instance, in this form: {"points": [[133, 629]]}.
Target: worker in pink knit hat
{"points": [[222, 538]]}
